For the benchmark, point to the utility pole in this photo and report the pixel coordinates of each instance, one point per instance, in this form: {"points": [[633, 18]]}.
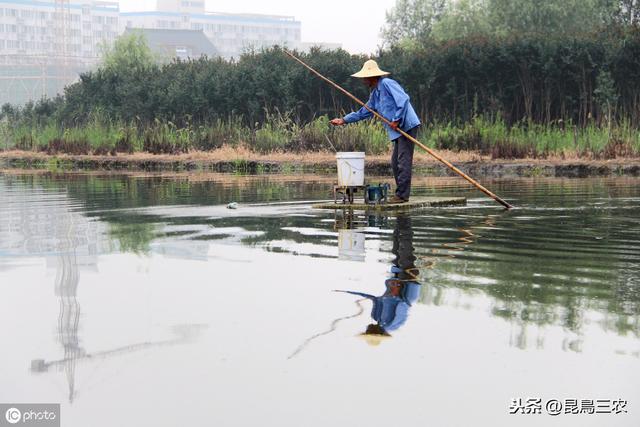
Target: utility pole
{"points": [[62, 24]]}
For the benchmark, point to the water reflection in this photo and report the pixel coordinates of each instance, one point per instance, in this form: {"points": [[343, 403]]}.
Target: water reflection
{"points": [[568, 258], [37, 223], [66, 289], [391, 309], [558, 279]]}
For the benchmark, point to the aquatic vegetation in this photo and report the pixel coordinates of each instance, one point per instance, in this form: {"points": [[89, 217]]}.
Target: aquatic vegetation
{"points": [[533, 140], [283, 134], [508, 97]]}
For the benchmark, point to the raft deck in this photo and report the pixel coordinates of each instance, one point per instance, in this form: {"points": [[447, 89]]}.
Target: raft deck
{"points": [[413, 204]]}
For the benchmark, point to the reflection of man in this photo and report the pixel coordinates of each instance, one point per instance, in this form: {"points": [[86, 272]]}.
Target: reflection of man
{"points": [[390, 310]]}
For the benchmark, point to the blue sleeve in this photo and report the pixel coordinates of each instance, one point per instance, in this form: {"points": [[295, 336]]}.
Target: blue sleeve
{"points": [[399, 96], [361, 114]]}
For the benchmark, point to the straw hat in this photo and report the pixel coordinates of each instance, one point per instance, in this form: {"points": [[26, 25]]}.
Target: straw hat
{"points": [[374, 340], [370, 69], [374, 335]]}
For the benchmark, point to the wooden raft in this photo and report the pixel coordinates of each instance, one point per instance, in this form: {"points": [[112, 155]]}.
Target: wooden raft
{"points": [[417, 203]]}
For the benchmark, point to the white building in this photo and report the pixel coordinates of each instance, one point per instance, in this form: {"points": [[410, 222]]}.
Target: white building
{"points": [[34, 27], [43, 47], [231, 34]]}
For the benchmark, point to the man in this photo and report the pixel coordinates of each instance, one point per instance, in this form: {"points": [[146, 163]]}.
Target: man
{"points": [[391, 101], [390, 310]]}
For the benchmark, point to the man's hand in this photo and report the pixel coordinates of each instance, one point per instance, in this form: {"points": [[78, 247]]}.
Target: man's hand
{"points": [[338, 122], [395, 125]]}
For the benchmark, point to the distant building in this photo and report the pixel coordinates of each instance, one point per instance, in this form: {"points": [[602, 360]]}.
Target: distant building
{"points": [[43, 46], [46, 44], [183, 44], [231, 34], [180, 6], [33, 27]]}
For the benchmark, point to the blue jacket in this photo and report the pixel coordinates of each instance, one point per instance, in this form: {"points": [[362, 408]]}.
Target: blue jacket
{"points": [[391, 312], [392, 103]]}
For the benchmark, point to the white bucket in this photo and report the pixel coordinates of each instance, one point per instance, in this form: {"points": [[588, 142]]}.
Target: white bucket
{"points": [[350, 168], [351, 245]]}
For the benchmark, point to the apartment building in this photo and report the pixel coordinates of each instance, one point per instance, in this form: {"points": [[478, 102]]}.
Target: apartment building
{"points": [[231, 34], [32, 27], [43, 46]]}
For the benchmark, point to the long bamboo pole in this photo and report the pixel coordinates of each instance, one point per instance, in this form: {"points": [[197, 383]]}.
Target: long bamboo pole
{"points": [[406, 135]]}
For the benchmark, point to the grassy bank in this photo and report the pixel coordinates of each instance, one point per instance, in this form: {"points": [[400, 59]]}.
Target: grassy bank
{"points": [[239, 160], [281, 134]]}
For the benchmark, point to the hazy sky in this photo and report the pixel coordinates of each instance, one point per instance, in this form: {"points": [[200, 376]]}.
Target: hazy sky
{"points": [[355, 24]]}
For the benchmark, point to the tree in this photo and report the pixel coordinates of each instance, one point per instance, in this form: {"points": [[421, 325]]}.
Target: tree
{"points": [[605, 94], [124, 87], [412, 20], [549, 16], [463, 18], [130, 54], [627, 12]]}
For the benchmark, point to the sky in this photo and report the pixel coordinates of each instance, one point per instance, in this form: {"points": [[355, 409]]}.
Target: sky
{"points": [[354, 24]]}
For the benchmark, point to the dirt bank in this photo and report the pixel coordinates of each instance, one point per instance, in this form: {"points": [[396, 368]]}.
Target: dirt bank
{"points": [[244, 161]]}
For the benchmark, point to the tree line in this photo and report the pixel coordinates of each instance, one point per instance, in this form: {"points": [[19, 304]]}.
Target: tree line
{"points": [[545, 79], [499, 61], [415, 21]]}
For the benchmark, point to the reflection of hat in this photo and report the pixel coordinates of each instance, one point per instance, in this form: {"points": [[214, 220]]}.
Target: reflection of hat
{"points": [[370, 69], [375, 334]]}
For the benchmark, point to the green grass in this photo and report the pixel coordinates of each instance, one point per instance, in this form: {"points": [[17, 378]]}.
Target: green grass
{"points": [[220, 132], [281, 133], [534, 140]]}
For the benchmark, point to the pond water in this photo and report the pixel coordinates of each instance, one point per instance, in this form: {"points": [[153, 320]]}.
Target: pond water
{"points": [[138, 299]]}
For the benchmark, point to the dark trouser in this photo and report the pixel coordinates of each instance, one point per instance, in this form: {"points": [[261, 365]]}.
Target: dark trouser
{"points": [[403, 249], [401, 163]]}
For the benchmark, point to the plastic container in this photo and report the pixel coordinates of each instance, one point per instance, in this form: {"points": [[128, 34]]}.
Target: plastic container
{"points": [[351, 245], [350, 169]]}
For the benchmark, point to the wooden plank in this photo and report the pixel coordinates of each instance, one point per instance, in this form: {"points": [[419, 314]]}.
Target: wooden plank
{"points": [[417, 203]]}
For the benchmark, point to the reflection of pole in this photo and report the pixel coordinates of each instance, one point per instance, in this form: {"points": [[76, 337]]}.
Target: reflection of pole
{"points": [[69, 317], [183, 334], [67, 227], [332, 327], [66, 289]]}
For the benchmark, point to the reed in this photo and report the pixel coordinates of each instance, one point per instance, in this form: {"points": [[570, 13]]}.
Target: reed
{"points": [[283, 134]]}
